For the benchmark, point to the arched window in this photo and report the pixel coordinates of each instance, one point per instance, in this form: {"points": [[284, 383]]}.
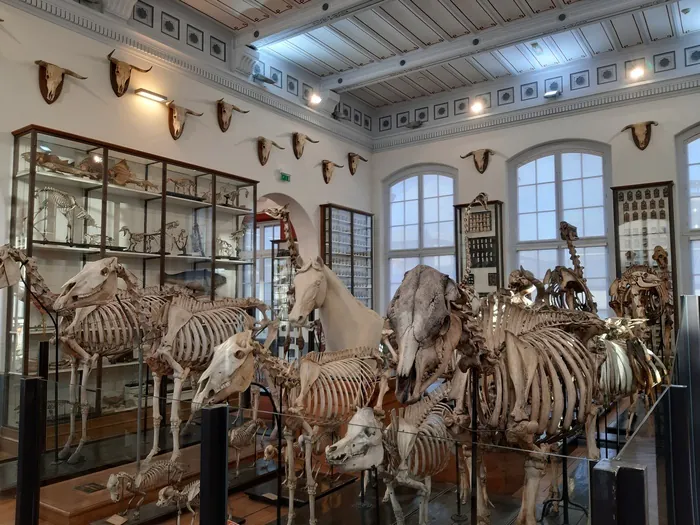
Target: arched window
{"points": [[421, 222], [562, 182], [690, 178]]}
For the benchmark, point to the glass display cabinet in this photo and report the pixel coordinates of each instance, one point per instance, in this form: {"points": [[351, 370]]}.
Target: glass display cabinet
{"points": [[347, 248], [77, 200], [483, 230]]}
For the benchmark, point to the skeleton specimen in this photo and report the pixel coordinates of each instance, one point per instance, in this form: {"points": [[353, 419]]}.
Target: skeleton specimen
{"points": [[181, 242], [237, 238], [133, 238], [121, 175], [223, 248], [196, 280], [120, 74], [58, 165], [265, 148], [243, 436], [67, 206], [152, 475], [94, 239], [51, 80], [641, 133], [299, 140], [184, 186], [481, 158], [327, 169], [169, 227], [232, 196], [187, 496]]}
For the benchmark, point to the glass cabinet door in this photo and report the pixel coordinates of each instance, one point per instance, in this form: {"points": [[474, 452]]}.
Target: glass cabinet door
{"points": [[362, 258], [341, 247]]}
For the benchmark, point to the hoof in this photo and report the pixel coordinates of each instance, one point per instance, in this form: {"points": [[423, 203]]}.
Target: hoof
{"points": [[75, 459], [65, 453]]}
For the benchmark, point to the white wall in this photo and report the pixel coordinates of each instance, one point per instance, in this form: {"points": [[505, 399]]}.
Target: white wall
{"points": [[90, 108], [629, 165]]}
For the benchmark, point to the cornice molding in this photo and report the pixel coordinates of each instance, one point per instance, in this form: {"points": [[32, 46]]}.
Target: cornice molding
{"points": [[621, 97], [101, 27]]}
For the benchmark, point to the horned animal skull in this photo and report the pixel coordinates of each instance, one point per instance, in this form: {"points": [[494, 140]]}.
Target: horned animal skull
{"points": [[641, 133], [265, 148], [224, 113], [299, 141], [51, 80], [353, 161], [328, 168], [481, 158], [95, 284], [310, 287], [120, 74], [177, 117], [661, 257], [361, 447]]}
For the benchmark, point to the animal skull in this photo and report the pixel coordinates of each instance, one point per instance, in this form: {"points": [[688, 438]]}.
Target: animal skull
{"points": [[177, 117], [95, 284], [310, 287], [481, 158], [641, 133], [264, 149], [298, 143], [166, 496], [353, 161], [51, 80], [328, 168], [224, 112], [568, 232], [120, 74], [113, 488], [361, 447]]}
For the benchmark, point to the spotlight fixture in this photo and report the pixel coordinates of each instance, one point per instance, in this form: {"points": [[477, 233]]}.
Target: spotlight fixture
{"points": [[150, 95], [45, 149], [553, 93], [97, 159], [257, 77], [477, 107], [536, 48], [637, 73], [315, 99]]}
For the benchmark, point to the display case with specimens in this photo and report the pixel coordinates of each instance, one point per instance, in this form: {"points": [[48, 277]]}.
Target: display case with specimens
{"points": [[347, 246], [77, 200]]}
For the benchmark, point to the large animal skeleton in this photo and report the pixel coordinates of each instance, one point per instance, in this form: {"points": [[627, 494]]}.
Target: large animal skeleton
{"points": [[152, 475], [321, 392], [121, 175], [243, 436], [67, 206], [134, 238], [188, 497], [184, 186], [56, 164]]}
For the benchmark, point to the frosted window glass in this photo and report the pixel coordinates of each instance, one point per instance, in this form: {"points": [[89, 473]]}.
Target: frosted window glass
{"points": [[545, 169], [445, 185], [571, 194], [446, 233], [411, 237], [694, 182], [430, 186], [397, 192], [575, 218], [397, 238], [411, 188], [411, 212], [527, 199], [526, 174], [447, 211], [571, 166], [546, 197], [397, 213], [695, 212], [594, 222], [431, 234]]}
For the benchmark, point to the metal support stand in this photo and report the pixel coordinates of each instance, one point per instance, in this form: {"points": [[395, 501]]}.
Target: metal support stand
{"points": [[363, 504], [214, 465], [32, 391], [376, 494], [458, 518], [564, 499], [42, 407]]}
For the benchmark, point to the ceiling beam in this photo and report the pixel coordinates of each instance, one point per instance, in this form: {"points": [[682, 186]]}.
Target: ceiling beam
{"points": [[580, 13]]}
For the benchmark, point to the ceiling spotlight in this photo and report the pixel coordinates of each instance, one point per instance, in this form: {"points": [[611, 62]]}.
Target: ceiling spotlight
{"points": [[685, 10], [637, 73], [553, 93], [150, 95], [45, 149], [536, 48], [477, 107], [315, 99], [414, 124]]}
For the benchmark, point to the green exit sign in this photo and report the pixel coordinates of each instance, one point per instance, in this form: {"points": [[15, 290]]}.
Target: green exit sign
{"points": [[285, 177]]}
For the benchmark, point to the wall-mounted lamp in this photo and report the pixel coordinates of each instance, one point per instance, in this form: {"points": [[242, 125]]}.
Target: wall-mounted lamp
{"points": [[553, 93], [315, 99], [257, 77], [150, 95], [637, 73], [477, 107]]}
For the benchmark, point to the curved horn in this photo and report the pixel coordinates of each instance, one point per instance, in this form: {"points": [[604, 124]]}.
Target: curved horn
{"points": [[141, 70], [362, 158], [311, 140], [73, 74], [652, 122], [110, 56], [626, 128], [338, 165], [190, 112], [236, 108], [467, 155], [275, 144]]}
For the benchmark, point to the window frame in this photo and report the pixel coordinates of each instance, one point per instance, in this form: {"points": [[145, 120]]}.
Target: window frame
{"points": [[685, 277], [420, 252], [557, 148]]}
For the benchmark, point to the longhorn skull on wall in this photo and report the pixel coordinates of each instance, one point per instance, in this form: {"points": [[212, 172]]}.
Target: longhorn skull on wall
{"points": [[265, 148], [328, 168], [481, 158], [224, 112], [299, 141], [51, 80], [353, 161], [177, 117], [641, 133], [120, 74]]}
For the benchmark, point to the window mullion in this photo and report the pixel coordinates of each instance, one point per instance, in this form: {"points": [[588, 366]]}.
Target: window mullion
{"points": [[420, 212], [559, 199]]}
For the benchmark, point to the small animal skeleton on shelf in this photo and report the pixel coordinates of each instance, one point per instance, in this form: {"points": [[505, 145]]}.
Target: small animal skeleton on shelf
{"points": [[243, 436], [231, 197], [169, 227], [121, 175], [134, 238], [237, 238], [94, 239], [223, 248], [67, 206], [184, 186], [151, 475], [56, 164], [188, 497], [181, 242]]}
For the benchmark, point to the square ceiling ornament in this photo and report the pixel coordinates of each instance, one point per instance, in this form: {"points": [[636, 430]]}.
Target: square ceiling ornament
{"points": [[665, 62], [217, 49], [506, 96], [580, 80], [529, 91], [441, 111], [421, 115], [143, 13], [195, 38], [169, 25], [402, 119], [607, 74], [385, 123], [461, 105], [692, 56]]}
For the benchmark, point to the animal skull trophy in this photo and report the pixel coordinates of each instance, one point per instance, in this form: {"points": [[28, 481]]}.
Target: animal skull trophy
{"points": [[298, 142], [353, 161], [265, 148], [641, 133], [177, 117], [328, 168], [481, 158], [224, 113], [51, 80], [120, 74]]}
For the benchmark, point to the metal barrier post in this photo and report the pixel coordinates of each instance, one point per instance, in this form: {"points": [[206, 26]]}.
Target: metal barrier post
{"points": [[619, 494], [32, 391], [214, 465]]}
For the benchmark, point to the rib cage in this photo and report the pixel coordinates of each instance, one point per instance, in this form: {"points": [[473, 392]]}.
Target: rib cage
{"points": [[158, 473], [67, 203], [629, 367], [242, 436]]}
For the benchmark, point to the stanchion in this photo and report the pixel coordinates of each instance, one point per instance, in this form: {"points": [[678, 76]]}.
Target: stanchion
{"points": [[458, 518], [214, 465], [376, 495], [363, 504], [32, 391]]}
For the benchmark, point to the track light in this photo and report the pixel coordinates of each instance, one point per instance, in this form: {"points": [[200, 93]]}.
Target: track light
{"points": [[315, 99], [637, 73], [150, 95], [477, 107], [553, 93]]}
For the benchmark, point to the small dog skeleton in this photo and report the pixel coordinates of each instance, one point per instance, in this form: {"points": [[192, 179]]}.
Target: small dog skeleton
{"points": [[188, 496], [184, 186]]}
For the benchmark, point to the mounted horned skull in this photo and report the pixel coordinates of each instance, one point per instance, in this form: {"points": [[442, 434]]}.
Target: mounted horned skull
{"points": [[51, 80], [481, 158], [177, 117], [265, 148], [641, 133], [328, 168], [299, 141], [120, 74], [224, 112], [353, 161]]}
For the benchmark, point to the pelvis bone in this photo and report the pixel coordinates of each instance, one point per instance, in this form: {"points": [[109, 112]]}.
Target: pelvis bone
{"points": [[120, 74], [264, 149], [299, 141], [177, 116], [641, 133], [51, 80], [328, 168], [224, 112], [481, 158], [353, 161]]}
